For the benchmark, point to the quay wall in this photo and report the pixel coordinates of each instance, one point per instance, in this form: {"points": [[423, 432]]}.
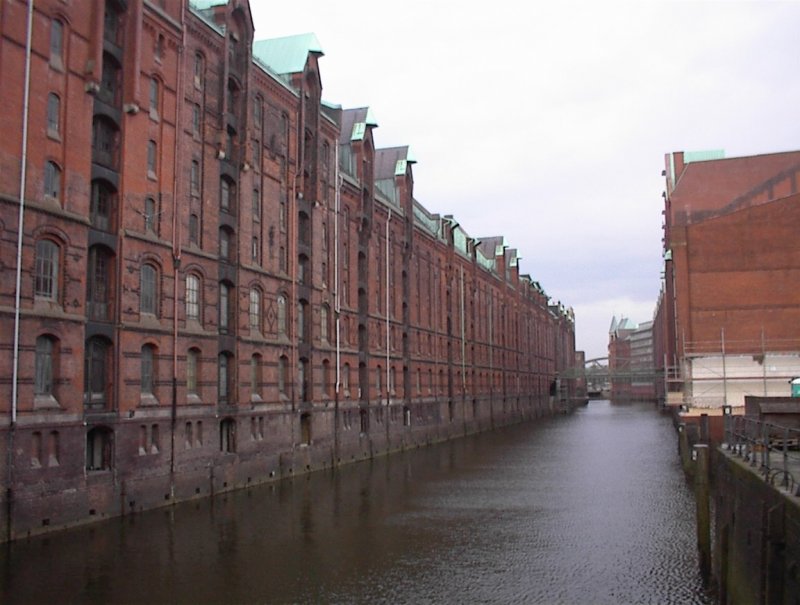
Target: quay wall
{"points": [[203, 470]]}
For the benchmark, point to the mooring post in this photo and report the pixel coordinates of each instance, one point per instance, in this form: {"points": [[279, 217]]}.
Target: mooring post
{"points": [[700, 454]]}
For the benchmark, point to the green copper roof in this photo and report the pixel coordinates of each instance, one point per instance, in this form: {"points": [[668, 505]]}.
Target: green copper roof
{"points": [[360, 128], [287, 55], [206, 4], [703, 156]]}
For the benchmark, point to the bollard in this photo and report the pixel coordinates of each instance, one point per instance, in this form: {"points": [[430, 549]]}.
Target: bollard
{"points": [[700, 455]]}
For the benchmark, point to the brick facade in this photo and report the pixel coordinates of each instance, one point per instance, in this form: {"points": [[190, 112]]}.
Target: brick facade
{"points": [[204, 299], [726, 322]]}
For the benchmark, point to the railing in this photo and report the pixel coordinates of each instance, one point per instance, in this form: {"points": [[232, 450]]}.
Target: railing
{"points": [[774, 449]]}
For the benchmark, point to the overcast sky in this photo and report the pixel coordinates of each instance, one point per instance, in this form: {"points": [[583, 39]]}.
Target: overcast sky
{"points": [[547, 122]]}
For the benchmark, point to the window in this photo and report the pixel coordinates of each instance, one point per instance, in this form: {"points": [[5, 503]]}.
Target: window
{"points": [[346, 379], [44, 366], [227, 435], [283, 374], [225, 377], [326, 376], [256, 205], [102, 205], [150, 215], [195, 120], [226, 194], [148, 369], [46, 281], [282, 261], [225, 243], [148, 290], [303, 325], [199, 70], [105, 142], [255, 309], [56, 42], [282, 328], [323, 322], [99, 283], [159, 48], [151, 159], [303, 272], [112, 23], [255, 377], [52, 180], [194, 229], [226, 307], [96, 372], [304, 228], [154, 98], [282, 214], [255, 250], [53, 115], [258, 110], [192, 366], [194, 178], [98, 449], [192, 297]]}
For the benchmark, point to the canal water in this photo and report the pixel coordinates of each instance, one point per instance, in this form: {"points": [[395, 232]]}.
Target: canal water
{"points": [[590, 507]]}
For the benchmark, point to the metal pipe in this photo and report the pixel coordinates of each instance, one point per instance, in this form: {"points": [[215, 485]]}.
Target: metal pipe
{"points": [[388, 386], [176, 255], [22, 190]]}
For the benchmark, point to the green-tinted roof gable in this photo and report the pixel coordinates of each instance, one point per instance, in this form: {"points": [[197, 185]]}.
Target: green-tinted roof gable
{"points": [[287, 55]]}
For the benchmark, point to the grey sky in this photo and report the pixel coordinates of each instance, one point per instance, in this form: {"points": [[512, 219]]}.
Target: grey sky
{"points": [[547, 122]]}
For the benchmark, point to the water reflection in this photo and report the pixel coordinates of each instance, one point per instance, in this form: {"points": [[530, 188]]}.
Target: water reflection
{"points": [[588, 508]]}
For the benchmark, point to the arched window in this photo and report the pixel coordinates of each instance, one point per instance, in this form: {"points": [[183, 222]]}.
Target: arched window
{"points": [[199, 71], [303, 270], [193, 298], [150, 215], [47, 275], [255, 310], [148, 290]]}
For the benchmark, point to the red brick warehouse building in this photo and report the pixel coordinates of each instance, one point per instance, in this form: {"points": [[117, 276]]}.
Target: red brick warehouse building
{"points": [[221, 279], [726, 323]]}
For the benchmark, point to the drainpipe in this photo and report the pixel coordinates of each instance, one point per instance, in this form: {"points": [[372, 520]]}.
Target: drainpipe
{"points": [[176, 258], [22, 178], [336, 305], [388, 386]]}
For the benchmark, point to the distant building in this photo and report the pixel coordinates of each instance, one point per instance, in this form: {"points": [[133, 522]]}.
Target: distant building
{"points": [[727, 322]]}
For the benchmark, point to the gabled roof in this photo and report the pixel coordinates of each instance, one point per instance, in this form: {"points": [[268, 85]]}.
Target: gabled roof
{"points": [[392, 162], [355, 123], [287, 55]]}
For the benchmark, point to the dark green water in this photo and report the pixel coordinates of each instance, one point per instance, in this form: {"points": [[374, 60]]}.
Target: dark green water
{"points": [[587, 508]]}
